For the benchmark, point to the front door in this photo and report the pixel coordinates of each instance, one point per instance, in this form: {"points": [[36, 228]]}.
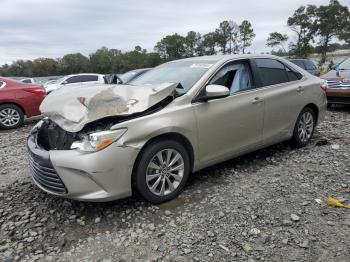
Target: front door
{"points": [[231, 125]]}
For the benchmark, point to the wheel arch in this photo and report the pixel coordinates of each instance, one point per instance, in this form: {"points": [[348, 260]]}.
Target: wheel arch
{"points": [[165, 136], [314, 108], [15, 104], [171, 136]]}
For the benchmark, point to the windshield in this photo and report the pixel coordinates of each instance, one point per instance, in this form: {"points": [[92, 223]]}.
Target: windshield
{"points": [[186, 73], [128, 76], [345, 65]]}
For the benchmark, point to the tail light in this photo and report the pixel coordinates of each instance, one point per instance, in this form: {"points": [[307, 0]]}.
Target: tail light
{"points": [[40, 91], [324, 86]]}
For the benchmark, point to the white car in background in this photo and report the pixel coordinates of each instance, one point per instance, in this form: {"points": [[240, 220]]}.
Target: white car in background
{"points": [[73, 80]]}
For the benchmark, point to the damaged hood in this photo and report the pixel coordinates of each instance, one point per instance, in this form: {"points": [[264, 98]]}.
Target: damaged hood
{"points": [[73, 108]]}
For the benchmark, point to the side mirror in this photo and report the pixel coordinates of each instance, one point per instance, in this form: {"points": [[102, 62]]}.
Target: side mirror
{"points": [[216, 91], [64, 82]]}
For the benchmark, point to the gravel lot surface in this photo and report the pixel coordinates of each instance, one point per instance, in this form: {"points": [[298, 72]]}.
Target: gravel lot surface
{"points": [[266, 206]]}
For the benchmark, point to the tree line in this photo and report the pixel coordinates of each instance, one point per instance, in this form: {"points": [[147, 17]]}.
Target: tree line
{"points": [[228, 38], [314, 28]]}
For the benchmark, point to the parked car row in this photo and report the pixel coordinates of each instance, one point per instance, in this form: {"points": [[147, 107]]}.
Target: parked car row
{"points": [[20, 104], [338, 84], [19, 99]]}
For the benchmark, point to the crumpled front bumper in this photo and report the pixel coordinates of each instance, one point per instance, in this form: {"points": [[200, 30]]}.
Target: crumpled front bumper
{"points": [[100, 176]]}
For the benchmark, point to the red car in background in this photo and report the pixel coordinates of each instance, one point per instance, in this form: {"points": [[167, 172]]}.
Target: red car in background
{"points": [[18, 100]]}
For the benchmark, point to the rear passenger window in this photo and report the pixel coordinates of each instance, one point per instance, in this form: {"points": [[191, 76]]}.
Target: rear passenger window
{"points": [[273, 72]]}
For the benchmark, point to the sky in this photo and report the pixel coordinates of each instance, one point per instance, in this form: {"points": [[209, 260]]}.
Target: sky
{"points": [[52, 28]]}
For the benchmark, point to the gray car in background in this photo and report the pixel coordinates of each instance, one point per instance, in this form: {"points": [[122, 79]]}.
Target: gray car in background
{"points": [[307, 65], [133, 74]]}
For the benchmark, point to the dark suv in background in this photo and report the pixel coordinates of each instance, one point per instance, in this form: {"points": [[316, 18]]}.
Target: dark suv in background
{"points": [[307, 65]]}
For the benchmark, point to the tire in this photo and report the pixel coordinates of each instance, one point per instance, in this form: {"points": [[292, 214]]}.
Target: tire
{"points": [[170, 183], [304, 128], [11, 116]]}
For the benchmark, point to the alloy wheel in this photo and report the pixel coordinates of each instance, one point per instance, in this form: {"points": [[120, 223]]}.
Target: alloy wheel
{"points": [[305, 126], [165, 172], [9, 117]]}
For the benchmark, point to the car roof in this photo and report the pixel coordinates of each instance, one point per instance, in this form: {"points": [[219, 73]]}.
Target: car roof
{"points": [[84, 74], [299, 59], [218, 58]]}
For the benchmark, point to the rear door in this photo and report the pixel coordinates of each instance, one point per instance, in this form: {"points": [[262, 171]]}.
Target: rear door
{"points": [[230, 125], [284, 98]]}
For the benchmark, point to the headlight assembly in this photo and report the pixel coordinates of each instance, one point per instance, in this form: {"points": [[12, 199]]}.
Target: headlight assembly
{"points": [[97, 141]]}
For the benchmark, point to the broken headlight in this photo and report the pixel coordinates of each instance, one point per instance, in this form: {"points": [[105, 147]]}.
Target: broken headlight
{"points": [[97, 141]]}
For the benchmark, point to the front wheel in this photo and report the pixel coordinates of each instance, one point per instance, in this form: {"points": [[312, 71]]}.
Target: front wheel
{"points": [[304, 128], [162, 171]]}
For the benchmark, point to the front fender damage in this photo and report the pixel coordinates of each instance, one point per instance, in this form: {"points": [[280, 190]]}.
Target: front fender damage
{"points": [[72, 115], [73, 108]]}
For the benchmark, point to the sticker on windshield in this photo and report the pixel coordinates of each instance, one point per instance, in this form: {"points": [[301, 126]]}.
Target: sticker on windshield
{"points": [[201, 66]]}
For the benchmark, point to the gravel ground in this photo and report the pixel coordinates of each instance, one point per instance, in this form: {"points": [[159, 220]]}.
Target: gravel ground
{"points": [[265, 206]]}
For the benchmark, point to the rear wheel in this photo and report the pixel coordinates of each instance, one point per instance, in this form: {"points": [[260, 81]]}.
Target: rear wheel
{"points": [[162, 171], [11, 116], [304, 127]]}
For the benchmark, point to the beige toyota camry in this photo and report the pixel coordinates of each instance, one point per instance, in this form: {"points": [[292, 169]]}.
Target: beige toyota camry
{"points": [[105, 142]]}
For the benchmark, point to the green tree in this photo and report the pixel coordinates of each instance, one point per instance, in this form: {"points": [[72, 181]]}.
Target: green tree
{"points": [[301, 22], [171, 47], [106, 60], [246, 34], [208, 44], [276, 39], [330, 20], [73, 64], [45, 67], [234, 38], [192, 43], [223, 36], [345, 32]]}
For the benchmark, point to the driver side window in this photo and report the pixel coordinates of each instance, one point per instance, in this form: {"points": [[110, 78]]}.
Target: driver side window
{"points": [[235, 76]]}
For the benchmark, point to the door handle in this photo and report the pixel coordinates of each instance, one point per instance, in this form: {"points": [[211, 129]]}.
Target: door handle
{"points": [[257, 100], [300, 89]]}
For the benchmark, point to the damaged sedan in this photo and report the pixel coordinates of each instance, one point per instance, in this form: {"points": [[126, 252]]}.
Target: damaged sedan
{"points": [[108, 142]]}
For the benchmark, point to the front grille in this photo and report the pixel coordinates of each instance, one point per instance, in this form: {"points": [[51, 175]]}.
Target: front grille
{"points": [[42, 170], [337, 84]]}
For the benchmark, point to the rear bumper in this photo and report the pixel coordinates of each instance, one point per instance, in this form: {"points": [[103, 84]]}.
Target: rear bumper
{"points": [[101, 176]]}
